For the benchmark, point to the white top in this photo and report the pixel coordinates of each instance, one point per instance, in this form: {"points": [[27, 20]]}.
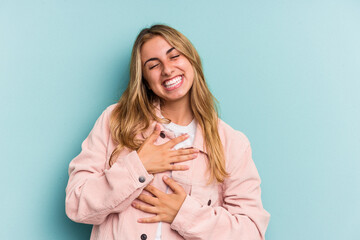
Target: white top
{"points": [[178, 131]]}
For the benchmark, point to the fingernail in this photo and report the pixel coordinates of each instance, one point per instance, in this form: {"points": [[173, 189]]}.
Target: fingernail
{"points": [[165, 177]]}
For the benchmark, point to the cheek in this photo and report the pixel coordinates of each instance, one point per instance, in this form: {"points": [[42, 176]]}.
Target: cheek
{"points": [[150, 78], [188, 68], [190, 72]]}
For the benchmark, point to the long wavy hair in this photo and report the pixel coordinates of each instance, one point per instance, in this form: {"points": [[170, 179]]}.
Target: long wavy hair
{"points": [[136, 109]]}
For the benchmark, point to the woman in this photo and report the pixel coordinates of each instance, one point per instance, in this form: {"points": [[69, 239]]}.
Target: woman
{"points": [[159, 164]]}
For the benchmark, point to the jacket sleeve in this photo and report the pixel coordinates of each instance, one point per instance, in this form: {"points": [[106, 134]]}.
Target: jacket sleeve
{"points": [[241, 215], [93, 192]]}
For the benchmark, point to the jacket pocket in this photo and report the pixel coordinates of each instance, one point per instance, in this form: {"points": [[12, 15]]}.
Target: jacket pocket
{"points": [[206, 195], [183, 183]]}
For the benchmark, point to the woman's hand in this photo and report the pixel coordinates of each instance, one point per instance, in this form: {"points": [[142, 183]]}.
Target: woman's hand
{"points": [[165, 206], [159, 158]]}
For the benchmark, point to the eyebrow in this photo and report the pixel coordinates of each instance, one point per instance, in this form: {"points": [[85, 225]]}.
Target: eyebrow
{"points": [[152, 59]]}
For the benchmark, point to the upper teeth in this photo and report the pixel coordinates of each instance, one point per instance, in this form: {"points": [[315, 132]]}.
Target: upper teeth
{"points": [[173, 81]]}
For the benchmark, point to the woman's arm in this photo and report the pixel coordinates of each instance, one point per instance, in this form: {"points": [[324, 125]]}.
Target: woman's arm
{"points": [[241, 215], [94, 192]]}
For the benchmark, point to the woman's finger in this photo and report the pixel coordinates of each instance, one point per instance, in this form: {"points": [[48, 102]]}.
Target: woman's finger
{"points": [[148, 209], [155, 134], [174, 141], [175, 187], [148, 199], [183, 158], [150, 219], [184, 151], [178, 168], [154, 191]]}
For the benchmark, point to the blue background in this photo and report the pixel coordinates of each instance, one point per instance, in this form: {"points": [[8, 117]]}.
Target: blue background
{"points": [[286, 73]]}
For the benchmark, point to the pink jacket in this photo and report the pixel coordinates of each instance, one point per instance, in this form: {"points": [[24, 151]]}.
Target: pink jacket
{"points": [[99, 195]]}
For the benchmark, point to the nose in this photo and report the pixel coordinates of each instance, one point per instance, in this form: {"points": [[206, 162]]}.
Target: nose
{"points": [[167, 69]]}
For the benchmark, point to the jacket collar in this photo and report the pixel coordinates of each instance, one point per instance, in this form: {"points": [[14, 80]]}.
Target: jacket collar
{"points": [[198, 140]]}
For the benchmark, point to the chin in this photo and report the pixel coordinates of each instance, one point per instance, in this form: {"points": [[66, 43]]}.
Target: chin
{"points": [[177, 98]]}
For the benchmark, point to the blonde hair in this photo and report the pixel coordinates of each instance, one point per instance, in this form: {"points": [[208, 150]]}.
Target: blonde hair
{"points": [[135, 109]]}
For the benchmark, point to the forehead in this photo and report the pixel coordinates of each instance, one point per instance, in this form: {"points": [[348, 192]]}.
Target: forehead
{"points": [[155, 47]]}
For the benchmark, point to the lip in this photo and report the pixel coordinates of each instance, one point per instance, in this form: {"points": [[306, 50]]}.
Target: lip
{"points": [[180, 75], [176, 86]]}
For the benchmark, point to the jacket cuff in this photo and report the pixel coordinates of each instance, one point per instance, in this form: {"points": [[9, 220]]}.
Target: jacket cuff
{"points": [[185, 217], [136, 169]]}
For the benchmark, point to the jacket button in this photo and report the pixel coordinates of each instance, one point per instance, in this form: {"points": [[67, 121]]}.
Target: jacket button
{"points": [[143, 236], [209, 202], [162, 134], [141, 179]]}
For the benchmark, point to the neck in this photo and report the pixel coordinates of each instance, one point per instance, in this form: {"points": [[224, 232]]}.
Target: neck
{"points": [[179, 112]]}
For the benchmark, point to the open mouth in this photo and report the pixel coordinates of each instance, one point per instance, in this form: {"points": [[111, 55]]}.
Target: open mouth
{"points": [[173, 83]]}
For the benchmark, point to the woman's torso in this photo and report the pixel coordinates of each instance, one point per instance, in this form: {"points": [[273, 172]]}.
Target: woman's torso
{"points": [[194, 182]]}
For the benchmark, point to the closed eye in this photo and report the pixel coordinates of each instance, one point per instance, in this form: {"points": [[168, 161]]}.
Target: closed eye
{"points": [[175, 56], [153, 66]]}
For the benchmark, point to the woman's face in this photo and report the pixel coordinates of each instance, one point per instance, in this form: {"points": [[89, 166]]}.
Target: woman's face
{"points": [[168, 73]]}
